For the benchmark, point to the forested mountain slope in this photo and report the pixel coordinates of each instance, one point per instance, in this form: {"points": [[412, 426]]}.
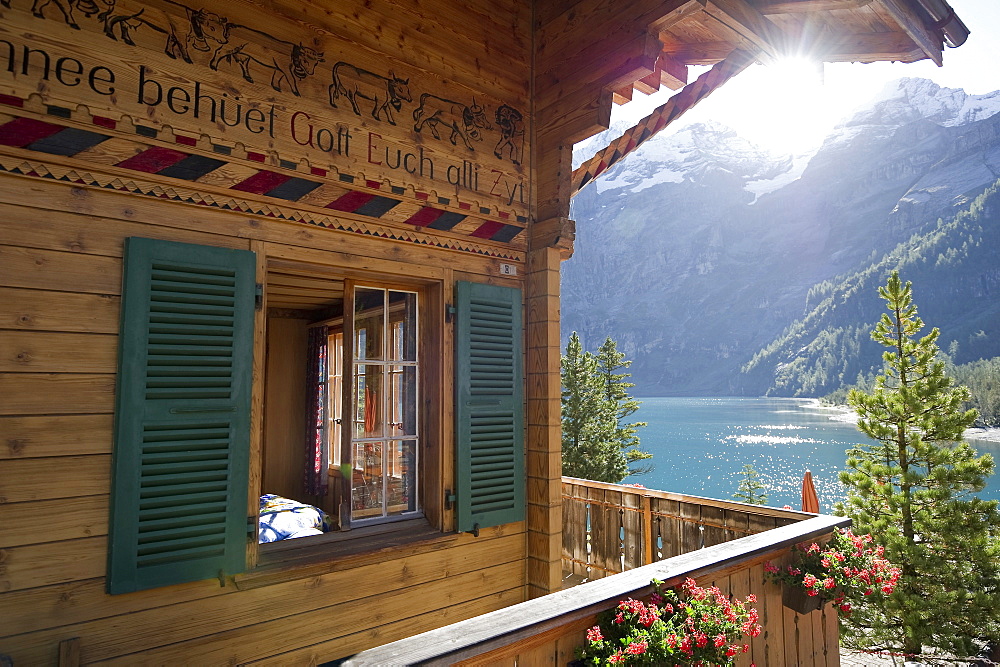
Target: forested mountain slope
{"points": [[955, 271]]}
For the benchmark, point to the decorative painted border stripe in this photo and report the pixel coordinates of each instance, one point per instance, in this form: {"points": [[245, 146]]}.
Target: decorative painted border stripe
{"points": [[191, 168], [42, 136], [262, 182], [22, 132], [19, 166], [154, 160]]}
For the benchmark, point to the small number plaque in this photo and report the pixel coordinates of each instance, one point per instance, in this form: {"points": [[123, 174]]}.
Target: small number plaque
{"points": [[508, 270]]}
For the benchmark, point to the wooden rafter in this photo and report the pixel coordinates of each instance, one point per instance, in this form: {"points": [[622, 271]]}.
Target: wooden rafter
{"points": [[665, 114], [911, 24], [868, 47], [796, 6], [747, 22]]}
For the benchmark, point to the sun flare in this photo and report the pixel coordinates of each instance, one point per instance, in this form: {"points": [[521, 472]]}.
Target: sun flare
{"points": [[783, 105]]}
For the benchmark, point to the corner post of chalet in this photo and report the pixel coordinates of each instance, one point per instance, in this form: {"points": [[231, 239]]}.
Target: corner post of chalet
{"points": [[544, 439]]}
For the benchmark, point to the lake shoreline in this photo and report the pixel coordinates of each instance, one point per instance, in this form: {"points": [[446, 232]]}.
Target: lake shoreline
{"points": [[842, 413]]}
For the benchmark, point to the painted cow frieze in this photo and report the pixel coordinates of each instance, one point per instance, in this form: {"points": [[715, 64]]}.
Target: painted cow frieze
{"points": [[464, 121], [258, 53], [384, 93]]}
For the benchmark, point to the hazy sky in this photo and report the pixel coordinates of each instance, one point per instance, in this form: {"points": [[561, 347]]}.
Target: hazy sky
{"points": [[789, 107]]}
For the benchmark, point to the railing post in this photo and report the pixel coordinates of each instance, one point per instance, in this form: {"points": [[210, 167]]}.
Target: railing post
{"points": [[647, 530]]}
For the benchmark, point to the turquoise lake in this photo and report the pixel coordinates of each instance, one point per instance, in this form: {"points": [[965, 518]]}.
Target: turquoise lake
{"points": [[699, 446]]}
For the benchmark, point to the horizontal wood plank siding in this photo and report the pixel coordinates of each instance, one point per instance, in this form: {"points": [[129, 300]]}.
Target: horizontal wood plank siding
{"points": [[67, 208], [60, 275]]}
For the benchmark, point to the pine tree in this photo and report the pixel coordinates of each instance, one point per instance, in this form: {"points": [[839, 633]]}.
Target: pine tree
{"points": [[751, 489], [913, 491], [596, 444], [616, 386]]}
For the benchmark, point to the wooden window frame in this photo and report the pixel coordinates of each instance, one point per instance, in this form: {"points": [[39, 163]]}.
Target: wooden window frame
{"points": [[348, 398], [434, 409]]}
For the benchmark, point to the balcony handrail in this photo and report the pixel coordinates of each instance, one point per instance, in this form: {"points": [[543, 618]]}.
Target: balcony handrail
{"points": [[608, 528], [749, 508], [482, 634]]}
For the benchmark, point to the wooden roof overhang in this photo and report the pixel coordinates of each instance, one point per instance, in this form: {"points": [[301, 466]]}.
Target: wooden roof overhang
{"points": [[646, 45]]}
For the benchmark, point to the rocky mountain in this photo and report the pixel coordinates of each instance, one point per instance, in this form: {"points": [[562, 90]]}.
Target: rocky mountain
{"points": [[701, 249]]}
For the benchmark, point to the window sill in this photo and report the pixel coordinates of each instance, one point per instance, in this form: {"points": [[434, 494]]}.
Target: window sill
{"points": [[312, 556]]}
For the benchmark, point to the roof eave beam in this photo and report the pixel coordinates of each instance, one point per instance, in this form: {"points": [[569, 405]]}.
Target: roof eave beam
{"points": [[767, 7], [748, 23], [912, 25]]}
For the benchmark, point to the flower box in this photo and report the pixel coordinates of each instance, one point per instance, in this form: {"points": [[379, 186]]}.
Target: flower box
{"points": [[799, 601]]}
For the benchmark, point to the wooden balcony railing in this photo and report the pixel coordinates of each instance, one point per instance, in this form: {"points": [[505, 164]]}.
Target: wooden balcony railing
{"points": [[610, 528], [712, 541]]}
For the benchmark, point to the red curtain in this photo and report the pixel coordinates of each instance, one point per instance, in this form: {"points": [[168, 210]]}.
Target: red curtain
{"points": [[317, 390]]}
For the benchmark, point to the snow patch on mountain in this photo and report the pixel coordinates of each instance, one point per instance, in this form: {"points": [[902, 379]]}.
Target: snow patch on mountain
{"points": [[764, 186], [692, 152]]}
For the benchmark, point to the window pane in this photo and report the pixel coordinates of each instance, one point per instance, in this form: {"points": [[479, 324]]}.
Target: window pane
{"points": [[369, 323], [368, 417], [402, 326], [402, 400], [401, 476], [335, 354], [367, 481]]}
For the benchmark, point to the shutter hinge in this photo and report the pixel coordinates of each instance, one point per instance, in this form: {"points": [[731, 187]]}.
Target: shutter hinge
{"points": [[449, 312], [258, 296], [449, 499]]}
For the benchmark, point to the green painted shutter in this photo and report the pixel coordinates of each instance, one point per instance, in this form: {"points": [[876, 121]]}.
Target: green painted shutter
{"points": [[182, 415], [489, 406]]}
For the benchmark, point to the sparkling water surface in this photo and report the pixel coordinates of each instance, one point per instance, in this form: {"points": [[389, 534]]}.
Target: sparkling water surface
{"points": [[699, 446]]}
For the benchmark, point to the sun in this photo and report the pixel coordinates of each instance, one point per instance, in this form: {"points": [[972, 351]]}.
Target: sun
{"points": [[782, 106]]}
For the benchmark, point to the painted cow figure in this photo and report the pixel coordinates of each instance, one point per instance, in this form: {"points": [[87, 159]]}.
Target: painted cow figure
{"points": [[258, 53], [186, 29], [511, 124], [463, 121], [66, 7], [385, 93]]}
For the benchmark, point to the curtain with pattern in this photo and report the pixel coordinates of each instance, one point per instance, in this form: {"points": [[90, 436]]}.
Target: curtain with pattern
{"points": [[317, 391]]}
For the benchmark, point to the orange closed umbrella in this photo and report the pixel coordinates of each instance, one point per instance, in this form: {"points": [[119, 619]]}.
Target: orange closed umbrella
{"points": [[810, 501]]}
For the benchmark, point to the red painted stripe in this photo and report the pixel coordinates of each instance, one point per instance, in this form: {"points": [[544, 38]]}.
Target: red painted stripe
{"points": [[351, 201], [464, 206], [101, 121], [23, 131], [373, 184], [256, 157], [187, 141], [504, 215], [261, 182], [488, 229], [422, 196], [153, 159], [316, 171], [425, 216], [11, 101]]}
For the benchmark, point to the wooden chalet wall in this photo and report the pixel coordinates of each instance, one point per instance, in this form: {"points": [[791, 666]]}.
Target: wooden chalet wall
{"points": [[369, 140]]}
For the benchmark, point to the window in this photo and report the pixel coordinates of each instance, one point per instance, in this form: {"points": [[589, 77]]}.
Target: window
{"points": [[385, 434], [185, 379]]}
